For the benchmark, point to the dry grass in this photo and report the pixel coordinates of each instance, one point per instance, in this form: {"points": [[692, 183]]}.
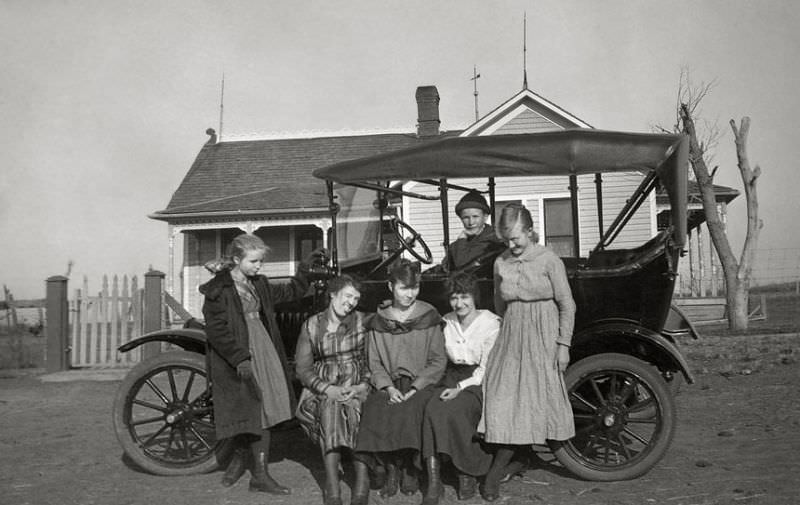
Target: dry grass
{"points": [[20, 348], [730, 355]]}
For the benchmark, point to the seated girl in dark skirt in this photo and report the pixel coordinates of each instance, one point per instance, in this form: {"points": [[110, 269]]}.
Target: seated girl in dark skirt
{"points": [[452, 414], [406, 358]]}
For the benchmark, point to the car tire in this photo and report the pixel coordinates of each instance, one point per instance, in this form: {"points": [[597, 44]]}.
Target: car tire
{"points": [[163, 416], [624, 415]]}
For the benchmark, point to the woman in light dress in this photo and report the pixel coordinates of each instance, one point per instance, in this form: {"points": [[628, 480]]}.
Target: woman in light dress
{"points": [[526, 399]]}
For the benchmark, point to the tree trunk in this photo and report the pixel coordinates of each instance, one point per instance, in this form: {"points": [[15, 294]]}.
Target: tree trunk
{"points": [[737, 273]]}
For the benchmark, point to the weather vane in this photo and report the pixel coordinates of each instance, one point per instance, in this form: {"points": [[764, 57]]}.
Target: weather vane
{"points": [[474, 79]]}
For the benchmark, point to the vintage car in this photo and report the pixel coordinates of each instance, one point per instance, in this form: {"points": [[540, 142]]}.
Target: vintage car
{"points": [[625, 359]]}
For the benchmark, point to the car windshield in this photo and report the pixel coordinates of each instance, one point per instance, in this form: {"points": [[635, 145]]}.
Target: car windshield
{"points": [[357, 224]]}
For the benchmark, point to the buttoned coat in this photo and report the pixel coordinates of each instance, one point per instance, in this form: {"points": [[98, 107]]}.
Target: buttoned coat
{"points": [[236, 408]]}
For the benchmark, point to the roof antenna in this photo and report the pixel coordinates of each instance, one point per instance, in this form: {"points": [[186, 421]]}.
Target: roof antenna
{"points": [[525, 51], [221, 105], [474, 79]]}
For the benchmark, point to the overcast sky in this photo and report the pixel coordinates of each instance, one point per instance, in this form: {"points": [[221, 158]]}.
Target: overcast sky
{"points": [[104, 104]]}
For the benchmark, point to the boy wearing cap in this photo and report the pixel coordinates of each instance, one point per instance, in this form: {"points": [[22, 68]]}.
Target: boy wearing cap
{"points": [[478, 237]]}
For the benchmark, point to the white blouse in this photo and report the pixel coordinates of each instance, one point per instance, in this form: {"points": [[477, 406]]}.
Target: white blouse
{"points": [[471, 345]]}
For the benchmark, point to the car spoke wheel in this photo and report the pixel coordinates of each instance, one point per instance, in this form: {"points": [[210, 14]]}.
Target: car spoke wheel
{"points": [[624, 418], [164, 417]]}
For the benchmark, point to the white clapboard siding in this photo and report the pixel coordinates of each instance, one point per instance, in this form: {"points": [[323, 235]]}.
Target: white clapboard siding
{"points": [[425, 215]]}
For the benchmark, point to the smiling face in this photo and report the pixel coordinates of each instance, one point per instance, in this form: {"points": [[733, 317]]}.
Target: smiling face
{"points": [[344, 300], [463, 304], [473, 220], [519, 238], [403, 296], [250, 263]]}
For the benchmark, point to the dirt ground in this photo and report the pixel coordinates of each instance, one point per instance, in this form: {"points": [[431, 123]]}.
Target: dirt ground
{"points": [[737, 442]]}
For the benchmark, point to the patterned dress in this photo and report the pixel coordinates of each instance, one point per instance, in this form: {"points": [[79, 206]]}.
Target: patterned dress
{"points": [[272, 387], [525, 397], [331, 358]]}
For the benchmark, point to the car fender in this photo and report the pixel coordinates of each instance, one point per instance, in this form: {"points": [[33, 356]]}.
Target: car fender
{"points": [[628, 337], [189, 339], [678, 324]]}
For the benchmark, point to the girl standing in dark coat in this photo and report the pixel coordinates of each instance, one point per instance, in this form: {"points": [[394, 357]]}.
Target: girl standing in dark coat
{"points": [[247, 361]]}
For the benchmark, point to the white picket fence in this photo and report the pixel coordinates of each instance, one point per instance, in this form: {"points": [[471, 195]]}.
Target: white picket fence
{"points": [[101, 323]]}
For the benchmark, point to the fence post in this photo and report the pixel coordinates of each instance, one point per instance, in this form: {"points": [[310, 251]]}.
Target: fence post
{"points": [[57, 357], [153, 310]]}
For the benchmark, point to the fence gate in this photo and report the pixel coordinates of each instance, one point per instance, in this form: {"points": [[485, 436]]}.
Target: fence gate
{"points": [[100, 324]]}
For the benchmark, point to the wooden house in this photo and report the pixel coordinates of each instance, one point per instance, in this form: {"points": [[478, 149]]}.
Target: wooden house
{"points": [[265, 186], [548, 198]]}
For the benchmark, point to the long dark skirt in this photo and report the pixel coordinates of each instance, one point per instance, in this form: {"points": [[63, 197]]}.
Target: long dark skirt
{"points": [[449, 427], [389, 427]]}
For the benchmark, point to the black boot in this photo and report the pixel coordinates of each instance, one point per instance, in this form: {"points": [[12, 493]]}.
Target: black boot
{"points": [[236, 467], [409, 483], [466, 486], [390, 485], [260, 479], [331, 492], [435, 490], [360, 492]]}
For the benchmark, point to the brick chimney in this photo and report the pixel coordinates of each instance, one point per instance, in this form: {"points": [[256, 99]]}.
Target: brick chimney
{"points": [[427, 111]]}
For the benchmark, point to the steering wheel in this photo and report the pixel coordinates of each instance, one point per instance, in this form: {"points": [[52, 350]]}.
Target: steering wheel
{"points": [[408, 244]]}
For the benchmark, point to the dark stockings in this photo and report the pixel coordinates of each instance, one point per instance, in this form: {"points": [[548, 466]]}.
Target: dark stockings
{"points": [[491, 487], [332, 461]]}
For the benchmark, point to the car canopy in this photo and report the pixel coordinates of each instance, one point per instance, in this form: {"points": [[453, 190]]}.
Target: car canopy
{"points": [[564, 152]]}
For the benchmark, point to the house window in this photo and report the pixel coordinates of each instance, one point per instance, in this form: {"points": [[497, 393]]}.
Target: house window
{"points": [[306, 239], [558, 233], [498, 209]]}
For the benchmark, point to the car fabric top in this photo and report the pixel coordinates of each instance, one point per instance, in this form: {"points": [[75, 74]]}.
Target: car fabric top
{"points": [[563, 152]]}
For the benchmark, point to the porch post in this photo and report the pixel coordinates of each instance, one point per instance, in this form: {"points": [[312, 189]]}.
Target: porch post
{"points": [[171, 266], [153, 310], [57, 325], [691, 265], [701, 261], [573, 192]]}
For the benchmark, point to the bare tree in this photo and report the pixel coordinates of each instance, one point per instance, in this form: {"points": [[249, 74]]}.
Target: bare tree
{"points": [[737, 272]]}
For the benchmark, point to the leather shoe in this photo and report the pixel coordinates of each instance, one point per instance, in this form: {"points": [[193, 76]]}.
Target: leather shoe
{"points": [[359, 499], [490, 492], [466, 486], [410, 482], [390, 485]]}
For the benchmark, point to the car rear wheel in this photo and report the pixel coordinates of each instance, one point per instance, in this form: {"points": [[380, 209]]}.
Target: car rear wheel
{"points": [[163, 416], [624, 418]]}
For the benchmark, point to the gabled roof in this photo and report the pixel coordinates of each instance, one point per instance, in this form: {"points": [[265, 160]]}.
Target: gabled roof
{"points": [[270, 176], [523, 101]]}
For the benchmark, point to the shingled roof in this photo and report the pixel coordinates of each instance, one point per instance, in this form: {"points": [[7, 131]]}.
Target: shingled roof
{"points": [[270, 176]]}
